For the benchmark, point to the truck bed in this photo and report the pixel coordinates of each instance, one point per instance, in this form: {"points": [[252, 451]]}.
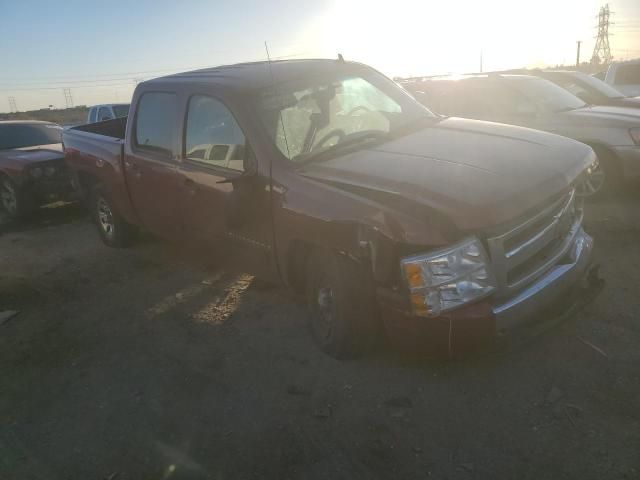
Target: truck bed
{"points": [[94, 155]]}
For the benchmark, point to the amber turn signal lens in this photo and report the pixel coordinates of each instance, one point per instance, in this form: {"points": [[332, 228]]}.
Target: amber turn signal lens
{"points": [[413, 273], [418, 304]]}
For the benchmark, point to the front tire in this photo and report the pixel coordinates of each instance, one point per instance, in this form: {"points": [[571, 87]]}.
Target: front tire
{"points": [[112, 228], [341, 301], [14, 202], [607, 179]]}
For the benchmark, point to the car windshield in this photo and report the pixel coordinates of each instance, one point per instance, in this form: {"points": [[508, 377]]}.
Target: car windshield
{"points": [[547, 95], [598, 85], [318, 116], [121, 110], [29, 135]]}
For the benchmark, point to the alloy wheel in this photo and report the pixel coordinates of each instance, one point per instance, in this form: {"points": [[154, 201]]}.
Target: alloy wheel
{"points": [[593, 183], [105, 218], [9, 197]]}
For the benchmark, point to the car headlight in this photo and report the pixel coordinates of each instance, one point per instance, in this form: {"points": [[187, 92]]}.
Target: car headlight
{"points": [[49, 171], [36, 172], [635, 135], [446, 279]]}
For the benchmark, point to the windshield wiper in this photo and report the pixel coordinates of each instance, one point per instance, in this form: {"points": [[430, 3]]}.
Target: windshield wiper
{"points": [[367, 136]]}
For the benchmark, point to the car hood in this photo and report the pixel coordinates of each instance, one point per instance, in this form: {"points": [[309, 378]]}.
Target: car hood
{"points": [[478, 174], [623, 116], [40, 153]]}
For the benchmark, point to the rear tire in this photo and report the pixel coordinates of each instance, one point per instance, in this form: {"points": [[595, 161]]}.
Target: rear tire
{"points": [[113, 229], [341, 300]]}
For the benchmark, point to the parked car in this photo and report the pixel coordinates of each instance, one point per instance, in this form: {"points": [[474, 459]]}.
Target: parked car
{"points": [[625, 77], [345, 188], [108, 111], [32, 168], [588, 88], [528, 101]]}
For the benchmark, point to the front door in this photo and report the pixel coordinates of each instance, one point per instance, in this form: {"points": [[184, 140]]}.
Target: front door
{"points": [[225, 208], [151, 164]]}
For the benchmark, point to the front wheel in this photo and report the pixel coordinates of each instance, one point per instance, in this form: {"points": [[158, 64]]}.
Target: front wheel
{"points": [[13, 200], [113, 230], [341, 301]]}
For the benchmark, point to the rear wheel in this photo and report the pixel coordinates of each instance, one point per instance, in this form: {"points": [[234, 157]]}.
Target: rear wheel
{"points": [[341, 301], [113, 230]]}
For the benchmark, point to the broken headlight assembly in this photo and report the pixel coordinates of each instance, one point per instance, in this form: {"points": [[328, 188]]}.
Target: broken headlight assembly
{"points": [[446, 279]]}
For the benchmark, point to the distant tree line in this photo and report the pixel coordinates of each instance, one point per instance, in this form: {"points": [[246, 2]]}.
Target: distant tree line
{"points": [[65, 116]]}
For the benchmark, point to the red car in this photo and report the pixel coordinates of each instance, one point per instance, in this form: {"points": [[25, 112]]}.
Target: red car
{"points": [[32, 168]]}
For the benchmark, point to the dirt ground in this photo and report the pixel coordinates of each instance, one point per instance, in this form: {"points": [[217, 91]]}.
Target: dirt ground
{"points": [[132, 364]]}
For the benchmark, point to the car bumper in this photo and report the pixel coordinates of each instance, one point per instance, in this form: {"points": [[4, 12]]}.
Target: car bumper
{"points": [[630, 160], [478, 325], [46, 190]]}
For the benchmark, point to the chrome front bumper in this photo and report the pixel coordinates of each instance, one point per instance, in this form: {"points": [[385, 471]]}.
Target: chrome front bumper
{"points": [[551, 286]]}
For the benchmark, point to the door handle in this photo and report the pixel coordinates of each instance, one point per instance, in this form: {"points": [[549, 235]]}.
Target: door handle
{"points": [[191, 186]]}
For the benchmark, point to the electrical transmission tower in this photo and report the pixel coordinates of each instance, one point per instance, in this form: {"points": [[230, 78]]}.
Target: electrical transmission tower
{"points": [[68, 99], [12, 105], [601, 51]]}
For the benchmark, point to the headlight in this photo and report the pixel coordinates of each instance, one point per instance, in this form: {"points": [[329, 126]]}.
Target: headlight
{"points": [[49, 171], [36, 172], [635, 135], [449, 278]]}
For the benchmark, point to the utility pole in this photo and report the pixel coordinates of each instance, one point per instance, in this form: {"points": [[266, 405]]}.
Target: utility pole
{"points": [[12, 105], [578, 54], [601, 50], [68, 99]]}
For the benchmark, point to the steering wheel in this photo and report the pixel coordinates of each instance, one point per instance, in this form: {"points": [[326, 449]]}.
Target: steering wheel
{"points": [[333, 133], [357, 109]]}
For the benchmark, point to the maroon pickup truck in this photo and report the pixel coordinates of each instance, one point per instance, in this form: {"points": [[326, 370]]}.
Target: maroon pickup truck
{"points": [[329, 177]]}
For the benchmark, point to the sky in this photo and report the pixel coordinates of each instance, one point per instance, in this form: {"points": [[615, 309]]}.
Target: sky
{"points": [[99, 50]]}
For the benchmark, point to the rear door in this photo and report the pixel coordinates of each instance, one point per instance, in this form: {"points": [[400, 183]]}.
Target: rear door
{"points": [[151, 163], [226, 210]]}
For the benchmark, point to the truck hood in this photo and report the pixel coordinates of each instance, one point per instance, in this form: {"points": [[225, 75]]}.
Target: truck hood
{"points": [[622, 116], [478, 174], [28, 155]]}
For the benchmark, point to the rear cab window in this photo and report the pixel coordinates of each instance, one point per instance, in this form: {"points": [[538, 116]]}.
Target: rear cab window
{"points": [[155, 124]]}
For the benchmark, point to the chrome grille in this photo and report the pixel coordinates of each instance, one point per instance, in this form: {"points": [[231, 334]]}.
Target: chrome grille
{"points": [[530, 249]]}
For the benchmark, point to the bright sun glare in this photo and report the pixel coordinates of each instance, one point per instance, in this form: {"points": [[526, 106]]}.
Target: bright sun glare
{"points": [[427, 37]]}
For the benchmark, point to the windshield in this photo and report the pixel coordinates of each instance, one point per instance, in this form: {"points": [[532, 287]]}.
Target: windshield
{"points": [[29, 135], [121, 110], [598, 85], [305, 119], [547, 95]]}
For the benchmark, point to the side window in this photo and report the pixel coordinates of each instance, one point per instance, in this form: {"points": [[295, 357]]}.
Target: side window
{"points": [[155, 122], [92, 114], [628, 74], [212, 134], [104, 114]]}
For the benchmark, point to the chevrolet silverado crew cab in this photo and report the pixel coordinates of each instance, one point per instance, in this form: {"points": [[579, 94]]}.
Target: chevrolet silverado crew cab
{"points": [[328, 176]]}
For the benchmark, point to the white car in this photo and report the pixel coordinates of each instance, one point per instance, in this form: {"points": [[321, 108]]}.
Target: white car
{"points": [[109, 111], [625, 77]]}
